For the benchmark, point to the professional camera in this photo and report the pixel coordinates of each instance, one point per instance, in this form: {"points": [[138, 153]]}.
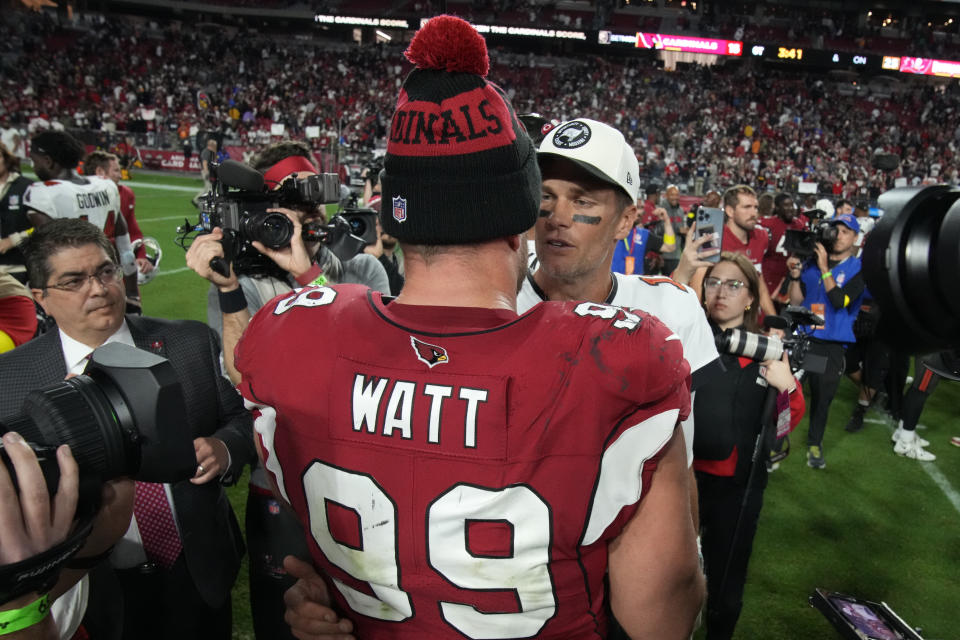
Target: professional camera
{"points": [[760, 348], [801, 242], [362, 221], [125, 416], [910, 264], [238, 204]]}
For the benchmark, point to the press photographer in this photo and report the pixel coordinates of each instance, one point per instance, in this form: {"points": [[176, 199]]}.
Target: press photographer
{"points": [[258, 274], [829, 284], [175, 566], [731, 414]]}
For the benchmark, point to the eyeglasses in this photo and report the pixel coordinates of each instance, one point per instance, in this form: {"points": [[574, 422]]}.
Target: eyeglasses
{"points": [[732, 287], [107, 275]]}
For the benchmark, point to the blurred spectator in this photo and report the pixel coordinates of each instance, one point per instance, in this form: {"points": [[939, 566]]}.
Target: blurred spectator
{"points": [[14, 225], [774, 265]]}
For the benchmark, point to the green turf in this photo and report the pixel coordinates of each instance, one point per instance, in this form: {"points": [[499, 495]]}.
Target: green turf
{"points": [[871, 524]]}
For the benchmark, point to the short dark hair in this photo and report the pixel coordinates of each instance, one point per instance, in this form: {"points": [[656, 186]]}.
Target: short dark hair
{"points": [[731, 197], [62, 148], [10, 161], [62, 233], [281, 151], [843, 201], [780, 199], [98, 159]]}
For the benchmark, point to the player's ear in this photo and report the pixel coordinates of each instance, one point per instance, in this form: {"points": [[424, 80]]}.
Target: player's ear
{"points": [[627, 219]]}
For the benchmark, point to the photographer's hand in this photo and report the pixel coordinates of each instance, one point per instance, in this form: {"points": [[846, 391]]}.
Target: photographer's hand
{"points": [[29, 522], [821, 254], [778, 374], [294, 259], [204, 249]]}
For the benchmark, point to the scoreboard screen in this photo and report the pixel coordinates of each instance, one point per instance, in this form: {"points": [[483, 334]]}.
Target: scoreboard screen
{"points": [[814, 57]]}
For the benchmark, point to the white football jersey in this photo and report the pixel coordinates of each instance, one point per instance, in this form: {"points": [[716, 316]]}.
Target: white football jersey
{"points": [[90, 198], [674, 304]]}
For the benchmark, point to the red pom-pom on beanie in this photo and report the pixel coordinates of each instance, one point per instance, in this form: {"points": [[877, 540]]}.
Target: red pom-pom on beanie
{"points": [[448, 43]]}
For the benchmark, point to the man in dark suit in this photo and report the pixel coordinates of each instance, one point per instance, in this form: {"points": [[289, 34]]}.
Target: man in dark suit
{"points": [[175, 583]]}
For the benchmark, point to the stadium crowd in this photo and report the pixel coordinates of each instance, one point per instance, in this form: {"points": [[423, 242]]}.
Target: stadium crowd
{"points": [[722, 125]]}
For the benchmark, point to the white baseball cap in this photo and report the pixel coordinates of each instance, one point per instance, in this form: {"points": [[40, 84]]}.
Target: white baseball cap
{"points": [[597, 148]]}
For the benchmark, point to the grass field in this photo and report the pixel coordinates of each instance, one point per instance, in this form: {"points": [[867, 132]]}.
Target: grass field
{"points": [[871, 524]]}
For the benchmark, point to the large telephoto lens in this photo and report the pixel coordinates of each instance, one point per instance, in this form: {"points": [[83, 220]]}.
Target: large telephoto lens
{"points": [[910, 262], [124, 417], [749, 345]]}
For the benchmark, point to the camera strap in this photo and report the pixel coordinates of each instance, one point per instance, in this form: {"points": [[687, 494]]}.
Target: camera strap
{"points": [[40, 572]]}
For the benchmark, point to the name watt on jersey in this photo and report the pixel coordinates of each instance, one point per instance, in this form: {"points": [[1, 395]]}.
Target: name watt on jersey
{"points": [[370, 393]]}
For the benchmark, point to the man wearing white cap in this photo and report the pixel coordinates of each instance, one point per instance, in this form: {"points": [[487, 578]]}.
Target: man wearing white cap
{"points": [[588, 205]]}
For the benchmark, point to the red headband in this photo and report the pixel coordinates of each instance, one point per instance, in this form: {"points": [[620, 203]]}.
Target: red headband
{"points": [[275, 174]]}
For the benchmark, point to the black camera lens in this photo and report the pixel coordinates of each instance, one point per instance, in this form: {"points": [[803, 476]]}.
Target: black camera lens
{"points": [[271, 228], [358, 226], [910, 263]]}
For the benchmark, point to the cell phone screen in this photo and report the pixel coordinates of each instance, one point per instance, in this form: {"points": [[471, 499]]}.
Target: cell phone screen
{"points": [[865, 620]]}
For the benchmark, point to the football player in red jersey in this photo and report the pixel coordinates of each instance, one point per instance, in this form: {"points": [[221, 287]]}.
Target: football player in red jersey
{"points": [[784, 217], [471, 472]]}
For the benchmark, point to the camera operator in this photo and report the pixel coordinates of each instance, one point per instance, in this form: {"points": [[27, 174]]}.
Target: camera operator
{"points": [[830, 285], [174, 569], [730, 415], [273, 533]]}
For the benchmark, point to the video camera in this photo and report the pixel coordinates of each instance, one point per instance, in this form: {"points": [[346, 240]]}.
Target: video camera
{"points": [[239, 202], [801, 242], [125, 416], [761, 348]]}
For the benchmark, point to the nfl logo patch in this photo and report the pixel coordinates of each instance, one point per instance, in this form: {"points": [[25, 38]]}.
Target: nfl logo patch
{"points": [[399, 208]]}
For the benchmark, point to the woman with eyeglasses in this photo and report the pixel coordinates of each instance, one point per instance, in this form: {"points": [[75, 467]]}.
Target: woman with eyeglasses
{"points": [[729, 414]]}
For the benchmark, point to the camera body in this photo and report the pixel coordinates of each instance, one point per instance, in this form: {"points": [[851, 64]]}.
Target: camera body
{"points": [[363, 223], [243, 212], [239, 203], [801, 243]]}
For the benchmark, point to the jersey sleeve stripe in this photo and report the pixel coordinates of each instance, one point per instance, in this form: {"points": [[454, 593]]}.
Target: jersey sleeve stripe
{"points": [[265, 425], [620, 483]]}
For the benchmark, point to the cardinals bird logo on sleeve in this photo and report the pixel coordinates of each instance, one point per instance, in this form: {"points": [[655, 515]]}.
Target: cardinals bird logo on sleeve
{"points": [[429, 354]]}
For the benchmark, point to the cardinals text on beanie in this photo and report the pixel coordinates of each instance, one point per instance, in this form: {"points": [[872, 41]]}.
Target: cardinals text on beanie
{"points": [[459, 168]]}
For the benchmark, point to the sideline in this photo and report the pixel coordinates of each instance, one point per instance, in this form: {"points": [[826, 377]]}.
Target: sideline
{"points": [[170, 272], [930, 468]]}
